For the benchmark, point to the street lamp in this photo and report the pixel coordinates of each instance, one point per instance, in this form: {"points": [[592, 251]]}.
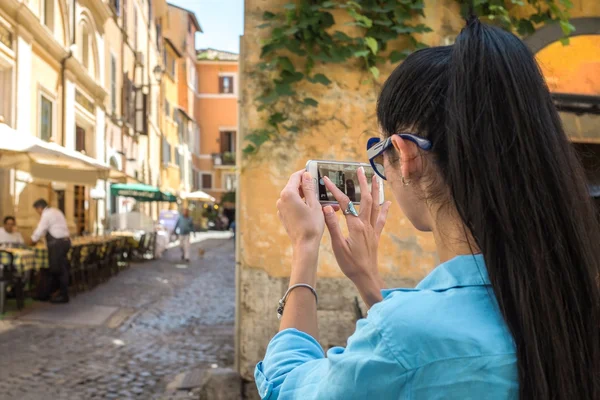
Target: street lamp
{"points": [[158, 73]]}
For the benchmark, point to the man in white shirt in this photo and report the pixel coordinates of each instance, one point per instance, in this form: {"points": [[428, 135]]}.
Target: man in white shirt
{"points": [[8, 233], [53, 225]]}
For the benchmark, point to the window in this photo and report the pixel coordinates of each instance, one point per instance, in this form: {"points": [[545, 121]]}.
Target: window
{"points": [[167, 108], [226, 85], [79, 138], [227, 141], [85, 46], [113, 83], [166, 152], [6, 76], [177, 157], [206, 181], [190, 26], [46, 118], [229, 182], [47, 13], [79, 209]]}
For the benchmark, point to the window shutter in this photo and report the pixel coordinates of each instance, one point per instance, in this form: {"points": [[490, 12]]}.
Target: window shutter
{"points": [[141, 112]]}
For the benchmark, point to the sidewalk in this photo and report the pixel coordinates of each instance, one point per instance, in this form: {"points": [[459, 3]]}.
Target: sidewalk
{"points": [[202, 236]]}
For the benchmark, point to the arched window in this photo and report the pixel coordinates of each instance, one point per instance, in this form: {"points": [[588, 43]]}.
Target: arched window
{"points": [[85, 46], [47, 13]]}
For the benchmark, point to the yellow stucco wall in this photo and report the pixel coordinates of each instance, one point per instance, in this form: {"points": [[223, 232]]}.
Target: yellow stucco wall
{"points": [[264, 244], [170, 175]]}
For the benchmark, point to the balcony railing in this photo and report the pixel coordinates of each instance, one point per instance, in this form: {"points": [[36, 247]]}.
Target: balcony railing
{"points": [[226, 158]]}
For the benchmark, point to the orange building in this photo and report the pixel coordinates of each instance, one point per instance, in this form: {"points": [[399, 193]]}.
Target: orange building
{"points": [[217, 116]]}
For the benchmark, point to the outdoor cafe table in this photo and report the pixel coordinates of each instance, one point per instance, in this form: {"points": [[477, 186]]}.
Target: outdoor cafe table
{"points": [[41, 250], [23, 260]]}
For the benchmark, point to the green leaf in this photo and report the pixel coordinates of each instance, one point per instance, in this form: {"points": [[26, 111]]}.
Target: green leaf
{"points": [[290, 6], [249, 149], [354, 4], [372, 44], [375, 71], [284, 89], [310, 102], [292, 128], [361, 20], [341, 36], [361, 53], [268, 16], [265, 25], [525, 27], [565, 41], [383, 22], [269, 98], [276, 118], [328, 4], [518, 2], [286, 64], [320, 78], [566, 27], [288, 77], [396, 55], [258, 137]]}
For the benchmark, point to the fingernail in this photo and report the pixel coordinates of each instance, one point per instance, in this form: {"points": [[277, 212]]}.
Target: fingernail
{"points": [[362, 169], [307, 175], [326, 178], [328, 210]]}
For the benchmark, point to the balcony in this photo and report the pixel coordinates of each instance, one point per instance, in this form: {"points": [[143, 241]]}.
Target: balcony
{"points": [[224, 159]]}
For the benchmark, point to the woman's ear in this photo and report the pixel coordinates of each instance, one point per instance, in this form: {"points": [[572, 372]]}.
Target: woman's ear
{"points": [[411, 163]]}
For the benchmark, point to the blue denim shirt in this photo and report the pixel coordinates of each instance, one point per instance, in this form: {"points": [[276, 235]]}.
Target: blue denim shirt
{"points": [[184, 225], [444, 339]]}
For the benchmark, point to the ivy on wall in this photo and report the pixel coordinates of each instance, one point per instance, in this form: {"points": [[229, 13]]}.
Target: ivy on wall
{"points": [[303, 35]]}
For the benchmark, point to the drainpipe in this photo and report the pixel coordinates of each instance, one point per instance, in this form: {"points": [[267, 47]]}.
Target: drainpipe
{"points": [[63, 77], [63, 68]]}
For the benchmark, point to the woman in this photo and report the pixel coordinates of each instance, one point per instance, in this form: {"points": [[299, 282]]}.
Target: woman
{"points": [[513, 308]]}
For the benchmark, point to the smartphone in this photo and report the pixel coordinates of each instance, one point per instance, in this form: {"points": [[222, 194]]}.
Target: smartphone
{"points": [[344, 175]]}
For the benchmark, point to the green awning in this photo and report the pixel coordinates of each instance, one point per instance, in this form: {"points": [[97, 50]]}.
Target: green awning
{"points": [[141, 192]]}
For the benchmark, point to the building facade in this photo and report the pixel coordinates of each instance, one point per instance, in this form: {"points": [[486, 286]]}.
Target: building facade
{"points": [[181, 33], [88, 76], [53, 87], [217, 115]]}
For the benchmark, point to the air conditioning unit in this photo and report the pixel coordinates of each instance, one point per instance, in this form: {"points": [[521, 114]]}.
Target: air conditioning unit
{"points": [[139, 58]]}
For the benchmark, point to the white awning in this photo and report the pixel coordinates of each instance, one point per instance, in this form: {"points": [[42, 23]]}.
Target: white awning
{"points": [[43, 160], [199, 196]]}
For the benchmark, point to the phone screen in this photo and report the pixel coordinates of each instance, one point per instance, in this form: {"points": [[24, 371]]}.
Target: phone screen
{"points": [[344, 176]]}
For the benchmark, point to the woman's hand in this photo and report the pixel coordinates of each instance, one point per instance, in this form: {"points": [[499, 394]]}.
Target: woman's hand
{"points": [[300, 212], [357, 254]]}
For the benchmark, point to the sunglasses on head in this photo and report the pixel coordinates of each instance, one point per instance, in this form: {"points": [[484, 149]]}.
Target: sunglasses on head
{"points": [[376, 147]]}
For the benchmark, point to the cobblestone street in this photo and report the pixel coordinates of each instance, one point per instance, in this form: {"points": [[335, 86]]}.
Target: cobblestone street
{"points": [[165, 318]]}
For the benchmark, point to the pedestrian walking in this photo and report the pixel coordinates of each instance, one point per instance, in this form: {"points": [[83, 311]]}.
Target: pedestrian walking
{"points": [[53, 226], [474, 151], [184, 227]]}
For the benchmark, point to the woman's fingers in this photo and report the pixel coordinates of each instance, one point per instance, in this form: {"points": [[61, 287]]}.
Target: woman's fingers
{"points": [[291, 191], [333, 225], [366, 201], [375, 196], [382, 218], [338, 195]]}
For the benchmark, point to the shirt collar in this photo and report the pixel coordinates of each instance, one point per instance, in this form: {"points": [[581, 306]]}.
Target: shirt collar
{"points": [[467, 270]]}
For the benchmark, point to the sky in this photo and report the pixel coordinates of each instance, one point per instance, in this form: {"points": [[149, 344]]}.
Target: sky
{"points": [[221, 20]]}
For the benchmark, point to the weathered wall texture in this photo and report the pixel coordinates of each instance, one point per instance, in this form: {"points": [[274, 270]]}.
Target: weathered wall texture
{"points": [[347, 110]]}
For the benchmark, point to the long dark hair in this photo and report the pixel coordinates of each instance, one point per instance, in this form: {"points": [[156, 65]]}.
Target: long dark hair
{"points": [[516, 183]]}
